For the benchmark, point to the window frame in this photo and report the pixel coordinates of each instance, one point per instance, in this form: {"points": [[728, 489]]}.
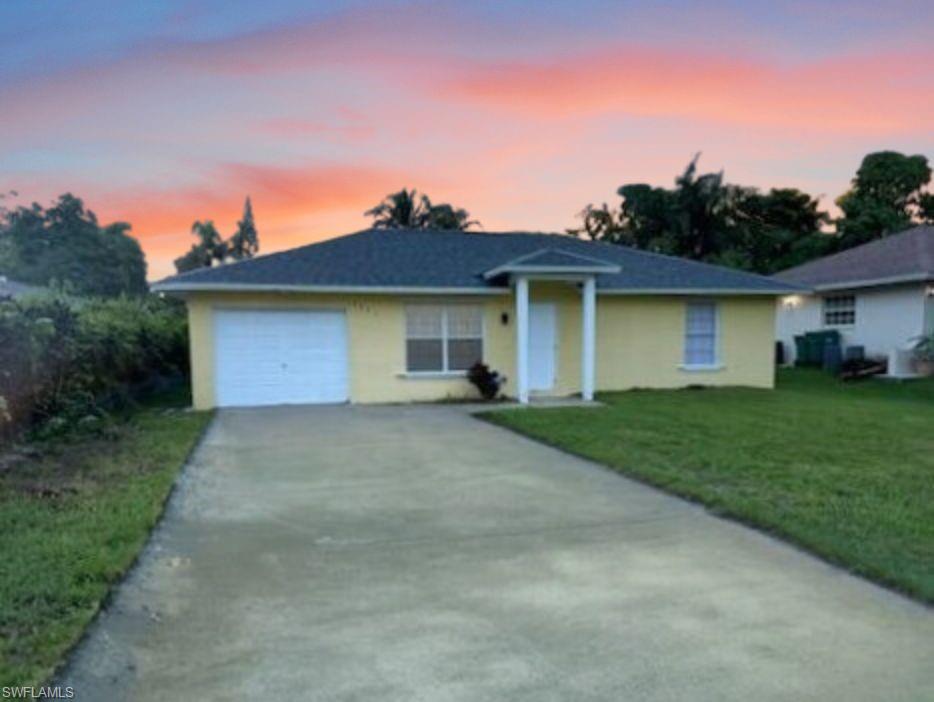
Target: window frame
{"points": [[445, 337], [716, 362], [844, 310]]}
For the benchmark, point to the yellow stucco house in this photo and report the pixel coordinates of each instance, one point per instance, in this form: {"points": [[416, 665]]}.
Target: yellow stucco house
{"points": [[400, 315]]}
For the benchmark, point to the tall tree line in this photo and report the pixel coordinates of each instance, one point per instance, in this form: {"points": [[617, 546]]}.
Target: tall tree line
{"points": [[65, 246], [705, 218]]}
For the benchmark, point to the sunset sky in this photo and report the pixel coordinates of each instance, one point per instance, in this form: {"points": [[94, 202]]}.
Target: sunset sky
{"points": [[163, 113]]}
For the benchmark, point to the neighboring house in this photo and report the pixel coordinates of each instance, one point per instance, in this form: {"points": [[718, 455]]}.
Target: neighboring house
{"points": [[11, 290], [879, 295], [400, 315]]}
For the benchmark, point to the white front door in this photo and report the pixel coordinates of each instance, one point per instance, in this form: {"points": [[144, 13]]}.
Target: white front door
{"points": [[543, 341], [278, 357]]}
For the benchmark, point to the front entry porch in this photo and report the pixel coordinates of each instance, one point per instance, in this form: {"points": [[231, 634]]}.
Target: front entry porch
{"points": [[539, 324], [540, 328]]}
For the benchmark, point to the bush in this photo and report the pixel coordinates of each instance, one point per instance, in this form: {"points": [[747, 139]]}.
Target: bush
{"points": [[67, 358], [923, 349], [486, 381]]}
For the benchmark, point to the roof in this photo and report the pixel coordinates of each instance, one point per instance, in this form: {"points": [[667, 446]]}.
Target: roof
{"points": [[425, 260], [553, 260], [13, 289], [897, 258]]}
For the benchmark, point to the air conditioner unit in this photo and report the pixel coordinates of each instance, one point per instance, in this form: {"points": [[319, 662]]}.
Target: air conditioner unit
{"points": [[901, 364]]}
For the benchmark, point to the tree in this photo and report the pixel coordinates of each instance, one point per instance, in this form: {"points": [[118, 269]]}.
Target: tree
{"points": [[887, 195], [599, 224], [707, 219], [196, 257], [208, 249], [210, 239], [211, 247], [702, 213], [445, 216], [775, 230], [407, 210], [398, 211], [245, 241], [646, 217], [65, 245]]}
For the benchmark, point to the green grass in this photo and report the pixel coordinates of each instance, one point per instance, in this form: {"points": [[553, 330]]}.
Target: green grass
{"points": [[845, 470], [72, 520]]}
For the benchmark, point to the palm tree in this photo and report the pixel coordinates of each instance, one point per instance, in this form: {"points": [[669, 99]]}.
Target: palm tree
{"points": [[445, 216], [399, 210], [407, 210], [210, 240], [210, 248]]}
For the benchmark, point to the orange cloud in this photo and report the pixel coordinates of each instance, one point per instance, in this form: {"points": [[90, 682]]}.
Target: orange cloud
{"points": [[854, 95], [293, 205]]}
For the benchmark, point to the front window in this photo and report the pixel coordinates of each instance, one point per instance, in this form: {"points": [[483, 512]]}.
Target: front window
{"points": [[839, 310], [443, 338], [700, 334]]}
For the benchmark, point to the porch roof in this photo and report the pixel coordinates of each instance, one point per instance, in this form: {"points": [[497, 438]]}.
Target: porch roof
{"points": [[552, 260]]}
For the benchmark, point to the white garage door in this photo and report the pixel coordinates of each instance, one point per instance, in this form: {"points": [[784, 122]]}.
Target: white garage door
{"points": [[279, 357]]}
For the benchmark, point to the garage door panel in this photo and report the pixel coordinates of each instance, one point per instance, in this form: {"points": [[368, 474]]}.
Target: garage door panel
{"points": [[268, 357]]}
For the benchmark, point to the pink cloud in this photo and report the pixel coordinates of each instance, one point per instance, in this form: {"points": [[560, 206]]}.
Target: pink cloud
{"points": [[849, 94], [520, 143], [347, 124]]}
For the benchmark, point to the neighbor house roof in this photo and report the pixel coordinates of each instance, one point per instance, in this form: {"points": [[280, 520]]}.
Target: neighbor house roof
{"points": [[423, 260], [897, 258], [13, 289]]}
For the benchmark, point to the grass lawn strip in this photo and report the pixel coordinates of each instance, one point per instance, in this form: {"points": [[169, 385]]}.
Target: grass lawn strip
{"points": [[72, 520]]}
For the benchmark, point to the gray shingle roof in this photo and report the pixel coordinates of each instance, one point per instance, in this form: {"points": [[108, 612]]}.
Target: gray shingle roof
{"points": [[908, 255], [421, 258]]}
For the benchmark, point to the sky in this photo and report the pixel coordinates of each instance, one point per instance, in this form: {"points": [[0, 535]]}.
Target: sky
{"points": [[161, 113]]}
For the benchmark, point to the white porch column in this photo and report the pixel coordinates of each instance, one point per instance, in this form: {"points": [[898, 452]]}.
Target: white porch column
{"points": [[588, 338], [522, 339]]}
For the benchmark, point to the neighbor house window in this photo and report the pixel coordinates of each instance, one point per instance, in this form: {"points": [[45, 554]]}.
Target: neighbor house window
{"points": [[839, 310], [700, 335], [443, 338]]}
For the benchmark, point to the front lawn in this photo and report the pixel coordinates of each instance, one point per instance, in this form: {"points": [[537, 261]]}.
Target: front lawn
{"points": [[72, 520], [846, 471]]}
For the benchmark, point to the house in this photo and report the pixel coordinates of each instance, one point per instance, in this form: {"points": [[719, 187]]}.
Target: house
{"points": [[879, 295], [400, 315], [11, 290]]}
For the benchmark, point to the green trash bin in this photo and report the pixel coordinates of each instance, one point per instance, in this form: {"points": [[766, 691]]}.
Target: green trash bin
{"points": [[801, 352], [813, 349], [810, 348]]}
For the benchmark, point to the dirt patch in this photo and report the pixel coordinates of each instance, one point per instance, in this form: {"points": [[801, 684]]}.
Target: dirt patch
{"points": [[57, 468]]}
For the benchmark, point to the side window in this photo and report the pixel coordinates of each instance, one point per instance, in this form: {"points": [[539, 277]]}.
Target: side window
{"points": [[839, 310], [700, 334]]}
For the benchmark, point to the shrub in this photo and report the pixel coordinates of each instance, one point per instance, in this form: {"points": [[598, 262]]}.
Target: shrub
{"points": [[486, 381], [66, 358], [923, 349]]}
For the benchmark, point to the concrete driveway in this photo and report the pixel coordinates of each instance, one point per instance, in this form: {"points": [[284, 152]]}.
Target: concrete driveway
{"points": [[415, 553]]}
